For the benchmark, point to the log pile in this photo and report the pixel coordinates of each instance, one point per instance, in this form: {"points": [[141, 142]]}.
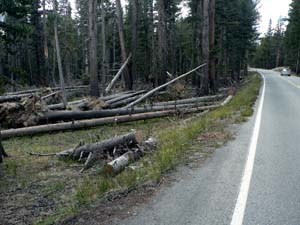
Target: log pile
{"points": [[113, 154]]}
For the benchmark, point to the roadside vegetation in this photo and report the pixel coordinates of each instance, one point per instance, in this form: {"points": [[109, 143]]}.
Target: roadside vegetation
{"points": [[56, 188]]}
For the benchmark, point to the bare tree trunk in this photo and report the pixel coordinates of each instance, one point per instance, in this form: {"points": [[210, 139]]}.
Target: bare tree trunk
{"points": [[103, 33], [60, 68], [298, 61], [212, 60], [162, 42], [93, 66], [46, 50], [134, 24], [126, 73], [205, 45]]}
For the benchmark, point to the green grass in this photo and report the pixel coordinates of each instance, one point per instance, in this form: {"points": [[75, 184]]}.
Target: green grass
{"points": [[73, 190], [174, 145]]}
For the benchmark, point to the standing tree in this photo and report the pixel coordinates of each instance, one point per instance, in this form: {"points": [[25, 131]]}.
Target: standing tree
{"points": [[58, 55], [126, 72], [93, 65]]}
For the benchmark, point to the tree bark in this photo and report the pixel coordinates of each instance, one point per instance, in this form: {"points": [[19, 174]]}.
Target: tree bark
{"points": [[205, 45], [126, 73], [45, 39], [60, 68], [212, 60], [134, 38], [162, 42], [93, 65], [104, 57]]}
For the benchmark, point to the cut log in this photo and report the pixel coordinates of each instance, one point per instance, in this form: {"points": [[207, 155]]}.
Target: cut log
{"points": [[148, 94], [116, 77], [119, 164]]}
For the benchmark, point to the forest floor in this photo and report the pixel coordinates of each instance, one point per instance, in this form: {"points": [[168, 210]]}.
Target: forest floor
{"points": [[45, 190]]}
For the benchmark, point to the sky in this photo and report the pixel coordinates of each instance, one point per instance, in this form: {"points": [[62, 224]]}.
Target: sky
{"points": [[269, 9], [272, 9]]}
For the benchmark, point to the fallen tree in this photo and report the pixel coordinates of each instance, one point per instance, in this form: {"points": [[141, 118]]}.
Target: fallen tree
{"points": [[191, 100], [13, 98], [54, 116], [98, 122], [150, 93]]}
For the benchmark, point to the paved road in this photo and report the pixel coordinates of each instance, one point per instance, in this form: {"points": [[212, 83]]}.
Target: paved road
{"points": [[267, 192]]}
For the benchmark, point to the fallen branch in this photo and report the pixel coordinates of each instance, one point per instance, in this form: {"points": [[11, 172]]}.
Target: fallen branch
{"points": [[163, 86]]}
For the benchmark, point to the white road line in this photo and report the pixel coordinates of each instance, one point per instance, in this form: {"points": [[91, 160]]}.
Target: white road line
{"points": [[239, 211]]}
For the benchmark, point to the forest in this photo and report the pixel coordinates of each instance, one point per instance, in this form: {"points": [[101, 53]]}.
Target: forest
{"points": [[281, 44], [44, 42]]}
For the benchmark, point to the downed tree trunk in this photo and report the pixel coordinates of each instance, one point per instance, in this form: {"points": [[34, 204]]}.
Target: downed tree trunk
{"points": [[98, 148], [122, 97], [27, 131], [13, 98], [60, 106], [163, 86], [97, 122], [123, 102], [98, 151], [84, 102], [191, 100], [114, 80], [33, 91], [54, 116]]}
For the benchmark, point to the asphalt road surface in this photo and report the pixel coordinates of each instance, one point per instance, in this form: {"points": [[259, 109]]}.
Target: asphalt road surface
{"points": [[253, 180]]}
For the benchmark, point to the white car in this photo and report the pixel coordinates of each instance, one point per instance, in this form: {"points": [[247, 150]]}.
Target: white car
{"points": [[286, 72]]}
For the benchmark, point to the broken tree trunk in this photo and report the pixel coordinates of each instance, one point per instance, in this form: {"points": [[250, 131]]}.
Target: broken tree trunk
{"points": [[148, 94], [116, 77]]}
